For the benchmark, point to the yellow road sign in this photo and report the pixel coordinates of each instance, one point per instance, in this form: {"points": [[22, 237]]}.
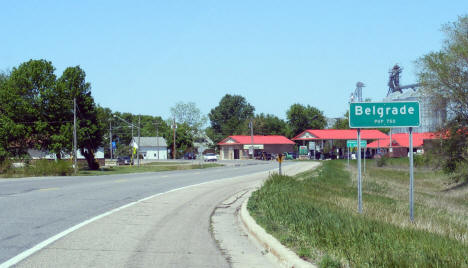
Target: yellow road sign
{"points": [[280, 158]]}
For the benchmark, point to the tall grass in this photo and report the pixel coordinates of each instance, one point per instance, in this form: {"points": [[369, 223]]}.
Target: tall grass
{"points": [[316, 216], [41, 167]]}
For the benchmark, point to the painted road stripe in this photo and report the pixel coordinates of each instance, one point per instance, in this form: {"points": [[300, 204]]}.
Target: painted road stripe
{"points": [[49, 189], [23, 255]]}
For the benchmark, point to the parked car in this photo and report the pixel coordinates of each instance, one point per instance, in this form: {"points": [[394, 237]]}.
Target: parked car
{"points": [[264, 156], [124, 160], [289, 156], [210, 157], [190, 155]]}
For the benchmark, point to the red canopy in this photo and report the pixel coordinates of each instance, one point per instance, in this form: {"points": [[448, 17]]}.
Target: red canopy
{"points": [[402, 140], [271, 139], [339, 134]]}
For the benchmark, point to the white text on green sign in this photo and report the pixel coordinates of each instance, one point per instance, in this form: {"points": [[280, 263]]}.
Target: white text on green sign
{"points": [[384, 114], [353, 143]]}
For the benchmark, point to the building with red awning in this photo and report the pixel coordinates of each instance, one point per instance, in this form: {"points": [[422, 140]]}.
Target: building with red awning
{"points": [[237, 146], [317, 139]]}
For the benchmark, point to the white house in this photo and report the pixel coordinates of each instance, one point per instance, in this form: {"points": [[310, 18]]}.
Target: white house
{"points": [[151, 147], [38, 154]]}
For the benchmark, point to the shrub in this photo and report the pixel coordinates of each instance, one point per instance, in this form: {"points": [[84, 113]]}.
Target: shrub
{"points": [[45, 167], [422, 160], [329, 262], [382, 161], [5, 166]]}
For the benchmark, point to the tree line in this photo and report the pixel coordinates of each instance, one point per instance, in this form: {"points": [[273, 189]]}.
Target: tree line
{"points": [[36, 111]]}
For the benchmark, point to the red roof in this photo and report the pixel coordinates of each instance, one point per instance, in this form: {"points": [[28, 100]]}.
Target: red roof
{"points": [[402, 140], [271, 139], [339, 134]]}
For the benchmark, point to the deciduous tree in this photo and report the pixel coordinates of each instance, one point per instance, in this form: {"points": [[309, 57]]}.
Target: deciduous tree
{"points": [[302, 117], [228, 117]]}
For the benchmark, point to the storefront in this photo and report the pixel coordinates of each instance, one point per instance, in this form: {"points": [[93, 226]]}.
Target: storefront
{"points": [[237, 147]]}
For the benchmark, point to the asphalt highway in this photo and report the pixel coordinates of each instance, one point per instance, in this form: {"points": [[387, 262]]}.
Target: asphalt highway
{"points": [[35, 209]]}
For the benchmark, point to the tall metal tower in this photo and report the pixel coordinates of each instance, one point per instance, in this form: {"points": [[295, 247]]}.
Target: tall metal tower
{"points": [[356, 96]]}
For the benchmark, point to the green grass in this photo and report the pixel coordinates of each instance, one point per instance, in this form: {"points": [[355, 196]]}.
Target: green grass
{"points": [[64, 168], [144, 168], [315, 215]]}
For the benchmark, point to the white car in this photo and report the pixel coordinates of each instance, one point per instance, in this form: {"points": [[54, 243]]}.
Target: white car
{"points": [[210, 157]]}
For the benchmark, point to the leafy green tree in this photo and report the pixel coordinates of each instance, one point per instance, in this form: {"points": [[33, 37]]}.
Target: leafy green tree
{"points": [[72, 84], [184, 139], [228, 117], [342, 123], [188, 113], [266, 124], [444, 78], [444, 74], [302, 117], [25, 120], [12, 134]]}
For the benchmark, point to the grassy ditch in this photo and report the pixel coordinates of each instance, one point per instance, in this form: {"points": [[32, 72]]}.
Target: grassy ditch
{"points": [[65, 168], [314, 214], [145, 168]]}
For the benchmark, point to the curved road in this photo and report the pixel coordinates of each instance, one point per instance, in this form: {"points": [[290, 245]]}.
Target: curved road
{"points": [[34, 210]]}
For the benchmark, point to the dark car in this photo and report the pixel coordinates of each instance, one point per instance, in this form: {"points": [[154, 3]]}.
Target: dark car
{"points": [[124, 160], [264, 156], [190, 156]]}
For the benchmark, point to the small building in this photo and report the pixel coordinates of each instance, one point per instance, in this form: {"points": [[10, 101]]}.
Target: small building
{"points": [[317, 140], [151, 147], [237, 146], [400, 143], [38, 154]]}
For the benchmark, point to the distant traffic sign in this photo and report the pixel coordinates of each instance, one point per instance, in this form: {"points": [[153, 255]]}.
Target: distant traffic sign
{"points": [[353, 143], [384, 114]]}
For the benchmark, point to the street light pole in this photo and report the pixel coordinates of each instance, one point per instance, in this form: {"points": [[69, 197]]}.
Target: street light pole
{"points": [[138, 150], [116, 116], [110, 139], [174, 144], [74, 137], [157, 137], [252, 150]]}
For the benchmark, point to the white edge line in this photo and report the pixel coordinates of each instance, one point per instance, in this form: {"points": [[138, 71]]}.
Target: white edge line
{"points": [[23, 255]]}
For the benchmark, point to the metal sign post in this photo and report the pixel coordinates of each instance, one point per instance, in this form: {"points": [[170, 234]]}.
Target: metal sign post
{"points": [[411, 172], [364, 160], [359, 171], [348, 155], [280, 160], [385, 114]]}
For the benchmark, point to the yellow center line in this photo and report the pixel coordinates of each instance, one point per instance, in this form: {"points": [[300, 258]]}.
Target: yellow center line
{"points": [[121, 180], [165, 176], [49, 189]]}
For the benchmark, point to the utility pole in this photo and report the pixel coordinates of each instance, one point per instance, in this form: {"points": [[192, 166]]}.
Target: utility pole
{"points": [[174, 145], [157, 137], [110, 139], [138, 151], [75, 164], [252, 150]]}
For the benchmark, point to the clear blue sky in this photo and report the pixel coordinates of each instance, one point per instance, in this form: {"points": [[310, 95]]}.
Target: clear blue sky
{"points": [[144, 56]]}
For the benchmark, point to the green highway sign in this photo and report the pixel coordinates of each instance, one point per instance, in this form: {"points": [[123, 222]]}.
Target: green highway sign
{"points": [[384, 114], [353, 143]]}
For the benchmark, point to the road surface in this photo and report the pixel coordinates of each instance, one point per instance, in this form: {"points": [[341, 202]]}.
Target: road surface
{"points": [[36, 209]]}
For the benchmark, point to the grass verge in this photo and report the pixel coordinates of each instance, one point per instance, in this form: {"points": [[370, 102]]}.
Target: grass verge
{"points": [[315, 215], [65, 168], [144, 168]]}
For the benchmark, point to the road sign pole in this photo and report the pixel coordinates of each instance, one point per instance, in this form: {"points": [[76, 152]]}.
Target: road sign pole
{"points": [[411, 172], [364, 160], [348, 155], [359, 170], [280, 168]]}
